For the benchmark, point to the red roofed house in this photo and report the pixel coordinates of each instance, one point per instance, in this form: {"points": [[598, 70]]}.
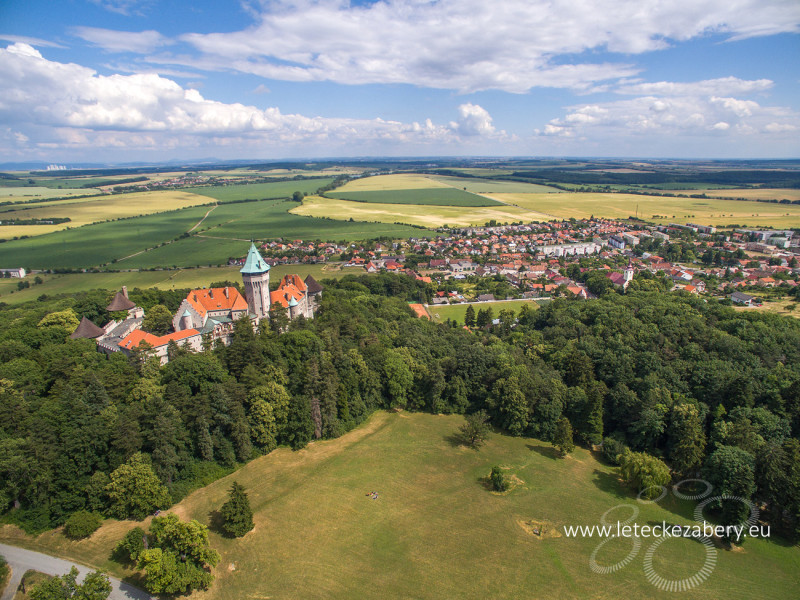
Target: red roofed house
{"points": [[190, 338]]}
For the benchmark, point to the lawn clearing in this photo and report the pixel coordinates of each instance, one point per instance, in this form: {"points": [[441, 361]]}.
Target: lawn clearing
{"points": [[435, 531], [456, 312], [706, 211], [424, 216]]}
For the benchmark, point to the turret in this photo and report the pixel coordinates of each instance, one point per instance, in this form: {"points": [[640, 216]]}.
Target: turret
{"points": [[255, 276]]}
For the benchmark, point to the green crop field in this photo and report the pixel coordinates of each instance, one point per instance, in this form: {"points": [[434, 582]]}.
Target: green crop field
{"points": [[423, 197], [435, 531], [260, 191], [71, 283], [224, 231], [456, 312]]}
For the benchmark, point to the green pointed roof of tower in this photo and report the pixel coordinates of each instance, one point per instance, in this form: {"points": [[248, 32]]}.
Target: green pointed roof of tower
{"points": [[254, 264]]}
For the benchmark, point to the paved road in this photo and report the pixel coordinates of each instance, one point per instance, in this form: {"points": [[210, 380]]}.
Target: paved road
{"points": [[22, 560]]}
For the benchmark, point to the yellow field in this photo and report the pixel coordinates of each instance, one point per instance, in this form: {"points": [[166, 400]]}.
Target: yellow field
{"points": [[103, 208], [392, 182], [618, 206], [766, 194], [779, 308], [20, 194], [413, 214]]}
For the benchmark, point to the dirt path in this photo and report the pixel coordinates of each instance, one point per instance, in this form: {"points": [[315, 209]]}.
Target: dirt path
{"points": [[200, 222]]}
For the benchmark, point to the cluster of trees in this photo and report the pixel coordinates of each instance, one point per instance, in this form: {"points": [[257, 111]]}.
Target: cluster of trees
{"points": [[692, 383]]}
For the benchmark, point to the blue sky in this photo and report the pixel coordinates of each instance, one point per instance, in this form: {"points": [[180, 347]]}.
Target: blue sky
{"points": [[122, 80]]}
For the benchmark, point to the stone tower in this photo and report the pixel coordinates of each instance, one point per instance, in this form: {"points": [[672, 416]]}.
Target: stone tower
{"points": [[628, 274], [255, 276]]}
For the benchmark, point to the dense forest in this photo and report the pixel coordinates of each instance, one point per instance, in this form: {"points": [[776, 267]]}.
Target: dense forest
{"points": [[704, 388]]}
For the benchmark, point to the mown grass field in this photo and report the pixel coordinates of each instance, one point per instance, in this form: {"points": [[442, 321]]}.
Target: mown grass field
{"points": [[456, 312], [71, 283], [90, 210], [435, 530], [422, 197], [706, 211], [424, 216]]}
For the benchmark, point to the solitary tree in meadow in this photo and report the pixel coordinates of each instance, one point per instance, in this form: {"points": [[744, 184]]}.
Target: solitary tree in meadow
{"points": [[236, 512]]}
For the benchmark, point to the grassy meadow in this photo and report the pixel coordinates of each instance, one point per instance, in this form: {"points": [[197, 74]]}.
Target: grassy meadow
{"points": [[22, 194], [424, 216], [456, 312], [260, 191], [436, 531]]}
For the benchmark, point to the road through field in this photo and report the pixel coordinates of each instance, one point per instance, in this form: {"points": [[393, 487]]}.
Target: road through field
{"points": [[21, 560]]}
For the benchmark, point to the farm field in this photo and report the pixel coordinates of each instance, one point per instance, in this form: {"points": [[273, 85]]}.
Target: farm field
{"points": [[224, 230], [423, 197], [706, 211], [492, 186], [456, 312], [90, 210], [22, 194], [71, 283], [260, 191], [751, 194], [424, 216], [435, 531], [398, 181]]}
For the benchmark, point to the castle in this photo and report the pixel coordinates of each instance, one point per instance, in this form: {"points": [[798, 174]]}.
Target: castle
{"points": [[208, 314]]}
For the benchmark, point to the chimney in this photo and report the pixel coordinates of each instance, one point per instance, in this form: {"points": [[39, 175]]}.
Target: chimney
{"points": [[211, 293], [125, 291], [227, 294]]}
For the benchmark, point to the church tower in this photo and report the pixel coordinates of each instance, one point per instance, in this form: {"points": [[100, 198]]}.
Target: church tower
{"points": [[255, 276], [628, 273]]}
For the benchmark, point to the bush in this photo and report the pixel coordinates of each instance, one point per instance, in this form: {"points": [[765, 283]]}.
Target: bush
{"points": [[82, 524], [130, 547], [612, 448], [4, 571], [499, 481]]}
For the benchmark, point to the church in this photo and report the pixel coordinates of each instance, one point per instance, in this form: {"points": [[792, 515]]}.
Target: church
{"points": [[207, 314]]}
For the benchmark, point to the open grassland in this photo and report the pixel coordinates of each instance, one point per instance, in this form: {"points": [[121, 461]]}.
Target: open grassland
{"points": [[435, 530], [456, 312], [422, 197], [424, 216], [136, 243], [493, 186], [399, 181], [260, 191], [22, 194], [778, 307], [71, 283], [706, 211], [96, 210]]}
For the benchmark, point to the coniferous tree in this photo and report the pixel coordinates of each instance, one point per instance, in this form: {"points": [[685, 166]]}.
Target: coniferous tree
{"points": [[236, 512], [562, 438], [469, 317]]}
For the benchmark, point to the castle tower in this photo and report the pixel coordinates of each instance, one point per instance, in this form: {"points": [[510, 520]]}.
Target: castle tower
{"points": [[255, 276]]}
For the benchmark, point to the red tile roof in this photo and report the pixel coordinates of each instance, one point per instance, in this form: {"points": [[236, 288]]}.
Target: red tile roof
{"points": [[212, 299]]}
